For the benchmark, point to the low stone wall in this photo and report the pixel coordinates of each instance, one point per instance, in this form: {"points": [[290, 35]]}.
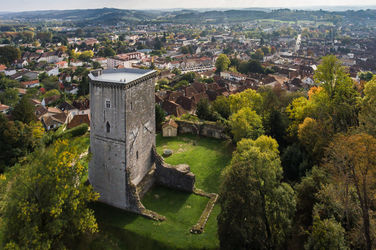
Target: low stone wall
{"points": [[207, 129], [177, 177]]}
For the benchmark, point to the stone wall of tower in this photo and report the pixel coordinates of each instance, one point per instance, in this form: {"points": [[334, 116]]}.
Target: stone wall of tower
{"points": [[107, 167], [140, 127], [122, 138]]}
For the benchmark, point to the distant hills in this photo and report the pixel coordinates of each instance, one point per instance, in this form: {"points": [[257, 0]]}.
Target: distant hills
{"points": [[112, 16]]}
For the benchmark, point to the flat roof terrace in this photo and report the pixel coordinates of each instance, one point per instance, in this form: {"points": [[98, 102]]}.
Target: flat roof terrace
{"points": [[125, 75]]}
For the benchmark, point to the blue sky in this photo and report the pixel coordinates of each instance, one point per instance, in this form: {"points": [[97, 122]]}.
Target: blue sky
{"points": [[22, 5]]}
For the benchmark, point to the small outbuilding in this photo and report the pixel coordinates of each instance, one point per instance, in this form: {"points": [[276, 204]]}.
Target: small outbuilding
{"points": [[170, 129]]}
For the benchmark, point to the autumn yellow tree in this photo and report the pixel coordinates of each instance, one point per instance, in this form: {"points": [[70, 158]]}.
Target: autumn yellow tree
{"points": [[352, 160], [246, 123]]}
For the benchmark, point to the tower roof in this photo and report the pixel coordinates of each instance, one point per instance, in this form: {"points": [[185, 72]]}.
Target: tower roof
{"points": [[123, 76]]}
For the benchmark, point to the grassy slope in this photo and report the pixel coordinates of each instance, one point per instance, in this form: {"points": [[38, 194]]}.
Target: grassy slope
{"points": [[207, 158]]}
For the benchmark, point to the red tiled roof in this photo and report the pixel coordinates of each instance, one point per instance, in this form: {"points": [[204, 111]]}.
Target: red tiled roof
{"points": [[3, 67], [3, 107], [171, 123], [30, 82], [78, 120]]}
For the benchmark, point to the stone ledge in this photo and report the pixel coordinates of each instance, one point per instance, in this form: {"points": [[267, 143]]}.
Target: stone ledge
{"points": [[199, 227]]}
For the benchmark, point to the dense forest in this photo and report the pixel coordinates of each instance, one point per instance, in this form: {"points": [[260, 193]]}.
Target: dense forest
{"points": [[303, 172]]}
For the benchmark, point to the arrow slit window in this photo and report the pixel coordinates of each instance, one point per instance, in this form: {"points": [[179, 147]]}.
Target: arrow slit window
{"points": [[108, 127]]}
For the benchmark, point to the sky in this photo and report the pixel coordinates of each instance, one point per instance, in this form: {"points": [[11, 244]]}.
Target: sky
{"points": [[25, 5]]}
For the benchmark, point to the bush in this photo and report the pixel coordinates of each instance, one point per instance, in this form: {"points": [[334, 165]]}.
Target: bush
{"points": [[77, 131]]}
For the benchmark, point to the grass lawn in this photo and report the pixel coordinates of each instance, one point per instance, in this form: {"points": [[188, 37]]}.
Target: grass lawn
{"points": [[123, 230]]}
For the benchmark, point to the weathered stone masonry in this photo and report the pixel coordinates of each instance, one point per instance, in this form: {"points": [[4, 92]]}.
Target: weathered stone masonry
{"points": [[122, 135]]}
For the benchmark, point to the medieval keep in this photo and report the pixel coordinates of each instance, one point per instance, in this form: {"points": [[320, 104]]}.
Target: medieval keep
{"points": [[122, 133]]}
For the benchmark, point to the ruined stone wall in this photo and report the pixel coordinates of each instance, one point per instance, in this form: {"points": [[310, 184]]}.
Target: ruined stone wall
{"points": [[201, 128], [177, 177]]}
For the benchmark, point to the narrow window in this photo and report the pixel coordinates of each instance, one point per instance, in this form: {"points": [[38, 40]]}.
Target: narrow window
{"points": [[131, 105], [137, 155], [108, 104], [108, 127]]}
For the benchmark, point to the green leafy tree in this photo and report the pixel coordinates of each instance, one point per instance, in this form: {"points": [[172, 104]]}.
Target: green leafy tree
{"points": [[24, 111], [8, 54], [256, 208], [222, 63], [83, 87], [160, 116], [326, 234], [306, 193], [189, 77], [51, 92], [258, 55], [9, 97], [176, 71], [16, 140], [180, 84], [5, 82], [246, 123], [365, 76], [51, 82], [221, 105], [295, 162], [108, 52], [367, 114], [204, 110], [246, 99], [46, 205]]}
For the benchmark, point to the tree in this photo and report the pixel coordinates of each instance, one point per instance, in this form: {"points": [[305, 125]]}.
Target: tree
{"points": [[16, 140], [365, 76], [51, 92], [295, 162], [326, 234], [203, 110], [367, 114], [50, 83], [221, 105], [96, 65], [83, 87], [255, 66], [246, 123], [256, 208], [9, 97], [258, 55], [182, 83], [24, 111], [108, 52], [159, 116], [352, 159], [86, 55], [176, 71], [246, 99], [314, 137], [222, 63], [46, 205], [189, 77], [5, 82], [8, 54]]}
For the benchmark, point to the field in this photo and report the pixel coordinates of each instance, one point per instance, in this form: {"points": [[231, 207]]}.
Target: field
{"points": [[123, 230]]}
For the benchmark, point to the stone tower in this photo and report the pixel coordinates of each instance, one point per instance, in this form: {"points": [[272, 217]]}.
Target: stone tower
{"points": [[122, 133]]}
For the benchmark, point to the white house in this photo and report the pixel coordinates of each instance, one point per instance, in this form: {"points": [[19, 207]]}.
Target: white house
{"points": [[53, 71]]}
